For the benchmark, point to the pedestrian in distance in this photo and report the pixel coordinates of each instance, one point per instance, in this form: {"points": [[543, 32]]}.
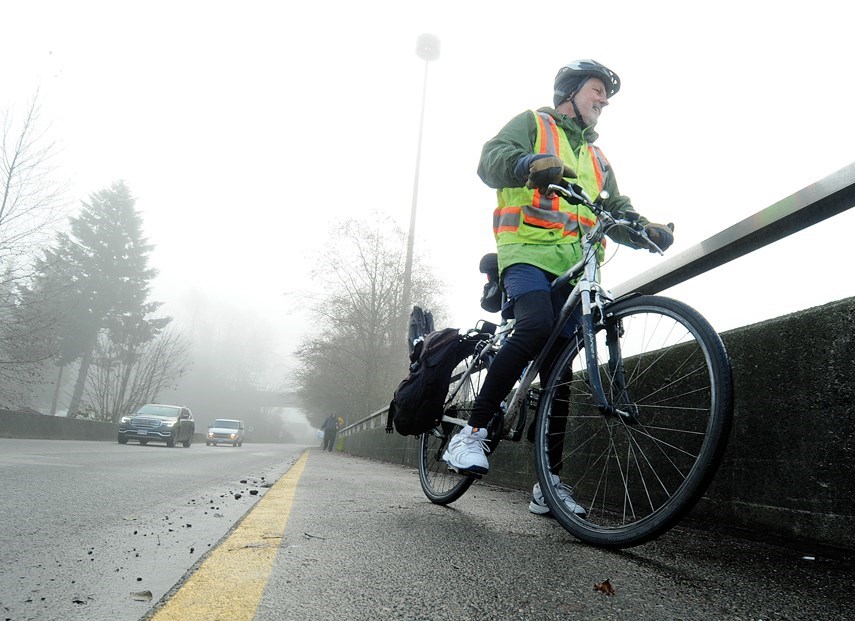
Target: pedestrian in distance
{"points": [[538, 237], [330, 429]]}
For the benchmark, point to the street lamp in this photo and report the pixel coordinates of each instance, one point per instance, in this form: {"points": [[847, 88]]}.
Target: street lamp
{"points": [[427, 48]]}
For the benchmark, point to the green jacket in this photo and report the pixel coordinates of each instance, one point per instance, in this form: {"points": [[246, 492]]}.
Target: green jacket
{"points": [[496, 169]]}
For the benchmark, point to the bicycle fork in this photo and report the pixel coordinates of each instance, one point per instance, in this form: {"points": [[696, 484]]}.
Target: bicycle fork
{"points": [[619, 405]]}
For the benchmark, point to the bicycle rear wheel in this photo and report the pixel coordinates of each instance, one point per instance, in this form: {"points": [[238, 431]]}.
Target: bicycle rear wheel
{"points": [[638, 468], [441, 485]]}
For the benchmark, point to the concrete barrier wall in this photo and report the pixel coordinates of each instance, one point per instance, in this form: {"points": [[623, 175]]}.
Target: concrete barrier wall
{"points": [[788, 469], [33, 426], [37, 426]]}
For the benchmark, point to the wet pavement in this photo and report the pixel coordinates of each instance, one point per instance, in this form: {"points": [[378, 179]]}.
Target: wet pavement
{"points": [[83, 528], [362, 542]]}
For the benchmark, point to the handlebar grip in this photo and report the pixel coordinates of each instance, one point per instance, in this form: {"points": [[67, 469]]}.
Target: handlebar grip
{"points": [[570, 192]]}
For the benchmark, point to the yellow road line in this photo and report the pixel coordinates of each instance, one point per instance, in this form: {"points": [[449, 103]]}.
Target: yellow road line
{"points": [[230, 582]]}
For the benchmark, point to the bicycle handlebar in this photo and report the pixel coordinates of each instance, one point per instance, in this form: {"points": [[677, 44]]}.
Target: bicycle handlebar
{"points": [[575, 195]]}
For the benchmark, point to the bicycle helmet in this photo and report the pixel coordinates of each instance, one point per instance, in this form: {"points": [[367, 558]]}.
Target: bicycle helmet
{"points": [[572, 76]]}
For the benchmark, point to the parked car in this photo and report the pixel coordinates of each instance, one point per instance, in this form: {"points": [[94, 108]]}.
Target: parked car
{"points": [[154, 422], [225, 430]]}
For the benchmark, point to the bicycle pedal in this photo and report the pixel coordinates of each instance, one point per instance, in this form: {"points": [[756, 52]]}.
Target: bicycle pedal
{"points": [[465, 473]]}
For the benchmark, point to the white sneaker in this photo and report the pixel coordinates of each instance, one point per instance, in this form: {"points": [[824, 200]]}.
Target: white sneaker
{"points": [[466, 452], [565, 493]]}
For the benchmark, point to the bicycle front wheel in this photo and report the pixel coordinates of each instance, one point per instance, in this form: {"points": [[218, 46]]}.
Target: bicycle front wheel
{"points": [[637, 466], [441, 485]]}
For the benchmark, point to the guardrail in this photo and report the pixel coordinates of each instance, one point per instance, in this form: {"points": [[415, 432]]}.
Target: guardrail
{"points": [[817, 202], [811, 205], [372, 421]]}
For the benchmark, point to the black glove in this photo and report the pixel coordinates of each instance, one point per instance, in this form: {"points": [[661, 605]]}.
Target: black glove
{"points": [[660, 234], [542, 169]]}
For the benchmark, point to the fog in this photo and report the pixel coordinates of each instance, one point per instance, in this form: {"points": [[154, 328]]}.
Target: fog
{"points": [[246, 133]]}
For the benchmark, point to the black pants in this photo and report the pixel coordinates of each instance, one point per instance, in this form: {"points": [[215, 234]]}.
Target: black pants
{"points": [[329, 439], [534, 320]]}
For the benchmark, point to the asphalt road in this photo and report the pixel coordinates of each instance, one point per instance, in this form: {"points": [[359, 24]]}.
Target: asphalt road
{"points": [[347, 538], [83, 525]]}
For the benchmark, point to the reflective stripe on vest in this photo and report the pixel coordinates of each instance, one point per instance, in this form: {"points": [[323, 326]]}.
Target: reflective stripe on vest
{"points": [[527, 216], [547, 136]]}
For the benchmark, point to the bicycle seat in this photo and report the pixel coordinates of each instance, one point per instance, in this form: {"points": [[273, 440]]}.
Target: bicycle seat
{"points": [[490, 265], [491, 297]]}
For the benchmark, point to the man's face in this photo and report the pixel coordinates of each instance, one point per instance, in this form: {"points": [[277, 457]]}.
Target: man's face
{"points": [[591, 99]]}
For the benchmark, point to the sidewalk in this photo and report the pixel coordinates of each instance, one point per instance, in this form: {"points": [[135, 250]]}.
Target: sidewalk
{"points": [[362, 542]]}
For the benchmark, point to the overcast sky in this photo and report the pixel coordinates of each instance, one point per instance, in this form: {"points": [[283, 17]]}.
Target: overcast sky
{"points": [[244, 128]]}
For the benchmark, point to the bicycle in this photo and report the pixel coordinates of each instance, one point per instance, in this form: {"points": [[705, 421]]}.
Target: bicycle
{"points": [[635, 413]]}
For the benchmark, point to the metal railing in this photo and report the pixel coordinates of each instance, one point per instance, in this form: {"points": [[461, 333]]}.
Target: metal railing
{"points": [[375, 419], [815, 203], [819, 201]]}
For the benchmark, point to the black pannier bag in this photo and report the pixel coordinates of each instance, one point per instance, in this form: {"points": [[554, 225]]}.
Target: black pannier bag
{"points": [[418, 400]]}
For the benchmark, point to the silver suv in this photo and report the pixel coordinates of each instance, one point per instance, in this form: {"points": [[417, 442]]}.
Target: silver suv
{"points": [[226, 430], [154, 422]]}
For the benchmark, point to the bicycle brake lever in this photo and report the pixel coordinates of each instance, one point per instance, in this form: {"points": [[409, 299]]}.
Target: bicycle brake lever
{"points": [[651, 246], [570, 192]]}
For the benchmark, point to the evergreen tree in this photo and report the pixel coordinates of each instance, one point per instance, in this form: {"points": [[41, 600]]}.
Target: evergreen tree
{"points": [[98, 280]]}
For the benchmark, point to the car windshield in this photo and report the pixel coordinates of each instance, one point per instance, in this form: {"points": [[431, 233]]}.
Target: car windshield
{"points": [[227, 424], [163, 411]]}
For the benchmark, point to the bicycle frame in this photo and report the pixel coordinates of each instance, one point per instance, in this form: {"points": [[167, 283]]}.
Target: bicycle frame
{"points": [[488, 346], [633, 468], [590, 295]]}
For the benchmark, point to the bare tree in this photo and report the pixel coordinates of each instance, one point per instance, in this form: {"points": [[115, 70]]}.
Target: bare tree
{"points": [[32, 201], [353, 366], [125, 375]]}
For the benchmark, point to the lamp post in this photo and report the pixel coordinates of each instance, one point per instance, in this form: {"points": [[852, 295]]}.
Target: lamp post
{"points": [[427, 48]]}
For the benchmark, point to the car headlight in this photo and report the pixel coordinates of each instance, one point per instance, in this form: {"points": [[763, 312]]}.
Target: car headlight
{"points": [[210, 434], [125, 419], [232, 436], [170, 423]]}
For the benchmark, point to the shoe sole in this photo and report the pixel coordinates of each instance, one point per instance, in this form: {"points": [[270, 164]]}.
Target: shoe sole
{"points": [[475, 471], [538, 509], [541, 510]]}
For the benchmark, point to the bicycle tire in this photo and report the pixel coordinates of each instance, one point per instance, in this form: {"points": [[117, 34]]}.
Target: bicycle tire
{"points": [[441, 485], [636, 476]]}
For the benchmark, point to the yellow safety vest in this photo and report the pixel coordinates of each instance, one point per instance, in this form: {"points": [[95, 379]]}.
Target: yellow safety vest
{"points": [[525, 216]]}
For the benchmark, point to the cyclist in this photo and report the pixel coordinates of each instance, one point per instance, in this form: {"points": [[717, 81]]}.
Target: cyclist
{"points": [[538, 238]]}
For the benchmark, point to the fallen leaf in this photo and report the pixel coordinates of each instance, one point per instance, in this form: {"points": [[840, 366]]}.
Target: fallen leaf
{"points": [[141, 596], [605, 587]]}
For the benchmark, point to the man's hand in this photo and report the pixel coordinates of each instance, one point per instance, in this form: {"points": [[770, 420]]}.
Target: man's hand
{"points": [[660, 234], [543, 169]]}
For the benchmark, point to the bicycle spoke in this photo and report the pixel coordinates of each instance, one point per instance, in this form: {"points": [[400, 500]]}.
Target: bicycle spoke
{"points": [[639, 464]]}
